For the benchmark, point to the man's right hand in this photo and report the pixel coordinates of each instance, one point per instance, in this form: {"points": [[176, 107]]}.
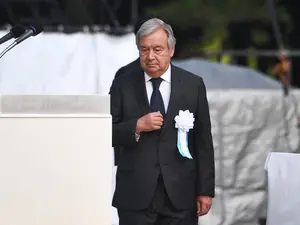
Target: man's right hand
{"points": [[149, 122]]}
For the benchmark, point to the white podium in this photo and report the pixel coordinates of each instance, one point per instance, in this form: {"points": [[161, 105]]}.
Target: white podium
{"points": [[283, 188], [55, 160]]}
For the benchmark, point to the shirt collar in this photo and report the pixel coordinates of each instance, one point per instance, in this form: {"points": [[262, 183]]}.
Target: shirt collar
{"points": [[166, 76]]}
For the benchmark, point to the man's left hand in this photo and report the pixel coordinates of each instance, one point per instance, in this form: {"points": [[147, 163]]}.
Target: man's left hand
{"points": [[203, 205]]}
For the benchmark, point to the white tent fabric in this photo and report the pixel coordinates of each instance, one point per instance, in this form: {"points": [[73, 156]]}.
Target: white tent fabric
{"points": [[66, 64], [250, 118], [246, 126]]}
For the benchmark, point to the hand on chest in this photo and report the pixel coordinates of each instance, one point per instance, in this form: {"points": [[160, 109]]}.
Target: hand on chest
{"points": [[172, 99]]}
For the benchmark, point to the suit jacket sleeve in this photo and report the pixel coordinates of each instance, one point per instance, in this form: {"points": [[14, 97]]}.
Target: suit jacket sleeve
{"points": [[204, 146], [123, 132]]}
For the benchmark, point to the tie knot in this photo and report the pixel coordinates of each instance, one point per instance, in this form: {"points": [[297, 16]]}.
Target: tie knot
{"points": [[156, 83]]}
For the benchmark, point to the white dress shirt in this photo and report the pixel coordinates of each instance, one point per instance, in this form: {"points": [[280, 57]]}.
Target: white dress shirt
{"points": [[164, 88]]}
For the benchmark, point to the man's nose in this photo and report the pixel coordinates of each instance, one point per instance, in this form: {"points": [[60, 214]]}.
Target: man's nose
{"points": [[151, 55]]}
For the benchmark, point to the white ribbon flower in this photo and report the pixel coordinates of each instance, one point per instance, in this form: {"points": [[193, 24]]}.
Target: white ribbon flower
{"points": [[184, 122]]}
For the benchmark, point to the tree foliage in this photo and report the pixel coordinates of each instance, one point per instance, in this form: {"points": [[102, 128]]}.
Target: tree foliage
{"points": [[213, 16]]}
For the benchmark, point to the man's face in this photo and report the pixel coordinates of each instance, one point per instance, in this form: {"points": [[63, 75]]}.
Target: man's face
{"points": [[155, 55]]}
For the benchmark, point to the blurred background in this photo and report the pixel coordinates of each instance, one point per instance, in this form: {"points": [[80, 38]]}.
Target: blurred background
{"points": [[248, 53], [229, 29]]}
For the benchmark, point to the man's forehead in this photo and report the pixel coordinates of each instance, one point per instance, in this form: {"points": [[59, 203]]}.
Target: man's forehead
{"points": [[150, 42]]}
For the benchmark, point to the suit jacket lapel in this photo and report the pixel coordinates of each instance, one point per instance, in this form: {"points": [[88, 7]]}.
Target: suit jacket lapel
{"points": [[177, 90], [140, 92]]}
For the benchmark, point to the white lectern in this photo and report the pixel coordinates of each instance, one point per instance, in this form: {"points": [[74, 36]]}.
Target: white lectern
{"points": [[55, 160], [283, 188]]}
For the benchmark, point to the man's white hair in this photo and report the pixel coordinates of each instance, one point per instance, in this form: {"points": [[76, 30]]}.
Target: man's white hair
{"points": [[150, 26]]}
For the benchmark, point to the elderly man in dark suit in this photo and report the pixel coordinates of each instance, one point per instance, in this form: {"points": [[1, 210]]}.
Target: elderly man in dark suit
{"points": [[166, 172]]}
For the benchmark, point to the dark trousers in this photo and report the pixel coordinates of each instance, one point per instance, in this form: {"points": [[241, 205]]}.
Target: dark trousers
{"points": [[160, 212]]}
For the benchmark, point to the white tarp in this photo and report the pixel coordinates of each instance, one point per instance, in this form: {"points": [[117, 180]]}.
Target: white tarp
{"points": [[247, 124], [66, 64]]}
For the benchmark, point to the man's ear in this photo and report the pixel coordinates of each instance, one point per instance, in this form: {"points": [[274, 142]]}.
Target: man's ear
{"points": [[172, 51]]}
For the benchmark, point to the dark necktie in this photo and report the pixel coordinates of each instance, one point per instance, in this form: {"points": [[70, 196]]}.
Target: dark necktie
{"points": [[156, 101]]}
